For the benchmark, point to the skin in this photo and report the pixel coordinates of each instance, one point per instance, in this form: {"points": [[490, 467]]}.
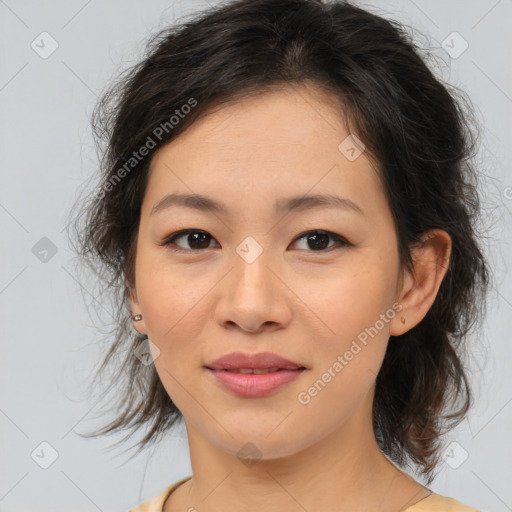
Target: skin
{"points": [[303, 303]]}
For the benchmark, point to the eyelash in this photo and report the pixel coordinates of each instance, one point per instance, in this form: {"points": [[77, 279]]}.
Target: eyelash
{"points": [[342, 242]]}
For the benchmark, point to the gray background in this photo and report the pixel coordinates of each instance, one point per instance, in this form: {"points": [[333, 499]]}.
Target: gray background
{"points": [[49, 344]]}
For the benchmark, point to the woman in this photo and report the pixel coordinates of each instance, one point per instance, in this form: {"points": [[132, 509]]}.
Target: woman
{"points": [[286, 210]]}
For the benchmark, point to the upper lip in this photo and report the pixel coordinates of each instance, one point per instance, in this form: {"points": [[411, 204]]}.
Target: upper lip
{"points": [[237, 360]]}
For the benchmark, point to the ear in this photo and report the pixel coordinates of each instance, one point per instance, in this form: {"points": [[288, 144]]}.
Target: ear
{"points": [[139, 325], [418, 289]]}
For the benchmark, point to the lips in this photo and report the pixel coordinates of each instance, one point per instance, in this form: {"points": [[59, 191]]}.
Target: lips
{"points": [[253, 371], [254, 375], [264, 362]]}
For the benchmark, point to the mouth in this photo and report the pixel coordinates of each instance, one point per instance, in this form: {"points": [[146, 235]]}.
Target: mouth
{"points": [[254, 382], [255, 371], [253, 375], [240, 361]]}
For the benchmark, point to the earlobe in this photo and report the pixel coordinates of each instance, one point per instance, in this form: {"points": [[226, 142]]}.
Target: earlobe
{"points": [[136, 316], [420, 287]]}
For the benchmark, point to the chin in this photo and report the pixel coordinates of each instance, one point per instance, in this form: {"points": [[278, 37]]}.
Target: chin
{"points": [[258, 446]]}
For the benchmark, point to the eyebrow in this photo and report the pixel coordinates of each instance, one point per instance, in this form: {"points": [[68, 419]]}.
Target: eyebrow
{"points": [[285, 205]]}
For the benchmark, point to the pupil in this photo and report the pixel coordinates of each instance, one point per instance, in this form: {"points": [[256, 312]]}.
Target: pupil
{"points": [[197, 240], [319, 240]]}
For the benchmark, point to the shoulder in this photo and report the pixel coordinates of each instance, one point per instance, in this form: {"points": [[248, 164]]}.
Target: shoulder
{"points": [[437, 503], [156, 504]]}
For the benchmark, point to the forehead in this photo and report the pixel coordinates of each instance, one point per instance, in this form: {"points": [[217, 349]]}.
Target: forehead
{"points": [[276, 117], [283, 142]]}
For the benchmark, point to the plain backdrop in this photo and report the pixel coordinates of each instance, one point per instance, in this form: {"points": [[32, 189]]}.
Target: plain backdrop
{"points": [[49, 343]]}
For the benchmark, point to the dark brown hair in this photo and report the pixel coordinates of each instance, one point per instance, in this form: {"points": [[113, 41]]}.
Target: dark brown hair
{"points": [[418, 130]]}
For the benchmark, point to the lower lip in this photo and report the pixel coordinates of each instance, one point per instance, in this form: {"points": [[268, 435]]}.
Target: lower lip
{"points": [[252, 385]]}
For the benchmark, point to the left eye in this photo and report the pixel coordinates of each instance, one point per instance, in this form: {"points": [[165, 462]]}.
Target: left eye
{"points": [[198, 240], [319, 240]]}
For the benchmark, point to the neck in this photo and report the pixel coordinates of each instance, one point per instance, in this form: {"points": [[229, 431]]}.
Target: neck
{"points": [[343, 471]]}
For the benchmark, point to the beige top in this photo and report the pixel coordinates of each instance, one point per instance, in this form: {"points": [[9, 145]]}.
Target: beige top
{"points": [[432, 503]]}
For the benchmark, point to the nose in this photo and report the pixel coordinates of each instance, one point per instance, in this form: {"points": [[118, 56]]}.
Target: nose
{"points": [[253, 297]]}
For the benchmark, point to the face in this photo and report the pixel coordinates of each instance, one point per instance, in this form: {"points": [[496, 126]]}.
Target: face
{"points": [[316, 284]]}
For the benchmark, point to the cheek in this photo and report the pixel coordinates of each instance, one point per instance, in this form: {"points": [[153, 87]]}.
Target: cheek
{"points": [[174, 313], [350, 301], [356, 309], [348, 361], [170, 297]]}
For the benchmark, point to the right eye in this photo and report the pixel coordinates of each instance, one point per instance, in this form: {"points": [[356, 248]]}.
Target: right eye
{"points": [[197, 240]]}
